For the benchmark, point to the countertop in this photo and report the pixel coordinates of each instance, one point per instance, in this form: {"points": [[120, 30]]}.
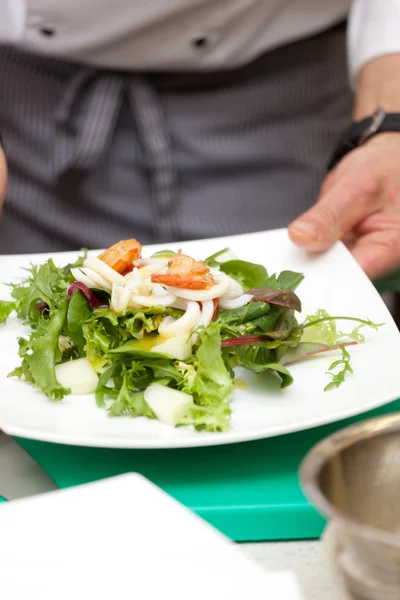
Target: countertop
{"points": [[308, 561]]}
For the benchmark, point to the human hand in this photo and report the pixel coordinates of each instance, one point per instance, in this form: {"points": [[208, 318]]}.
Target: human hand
{"points": [[359, 203]]}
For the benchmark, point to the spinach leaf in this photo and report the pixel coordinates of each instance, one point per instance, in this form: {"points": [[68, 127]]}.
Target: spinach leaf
{"points": [[249, 275], [286, 280], [246, 313], [268, 322], [290, 280], [286, 327], [78, 312], [211, 262], [260, 359]]}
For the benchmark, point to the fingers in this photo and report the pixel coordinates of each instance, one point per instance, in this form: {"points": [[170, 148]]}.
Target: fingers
{"points": [[3, 177], [359, 203], [378, 252], [342, 205]]}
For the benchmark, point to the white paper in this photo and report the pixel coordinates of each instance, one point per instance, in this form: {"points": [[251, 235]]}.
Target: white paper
{"points": [[123, 538]]}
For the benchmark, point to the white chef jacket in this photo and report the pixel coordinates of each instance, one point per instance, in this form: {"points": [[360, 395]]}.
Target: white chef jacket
{"points": [[191, 34]]}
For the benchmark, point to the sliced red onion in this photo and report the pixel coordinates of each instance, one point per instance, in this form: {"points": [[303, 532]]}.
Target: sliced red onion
{"points": [[216, 304], [207, 312], [42, 307], [90, 297]]}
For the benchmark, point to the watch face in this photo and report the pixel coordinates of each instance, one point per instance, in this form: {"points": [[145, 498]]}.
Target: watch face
{"points": [[376, 122]]}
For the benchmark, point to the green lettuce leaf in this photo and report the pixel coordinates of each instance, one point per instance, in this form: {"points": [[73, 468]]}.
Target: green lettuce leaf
{"points": [[139, 323], [41, 353], [209, 363], [338, 370], [208, 418], [106, 331], [322, 327], [129, 373], [6, 308], [323, 332], [45, 283], [125, 395], [210, 383]]}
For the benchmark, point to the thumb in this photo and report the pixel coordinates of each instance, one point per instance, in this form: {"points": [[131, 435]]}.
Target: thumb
{"points": [[344, 205], [378, 252]]}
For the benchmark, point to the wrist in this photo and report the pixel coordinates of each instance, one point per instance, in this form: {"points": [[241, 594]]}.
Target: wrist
{"points": [[378, 86], [360, 132]]}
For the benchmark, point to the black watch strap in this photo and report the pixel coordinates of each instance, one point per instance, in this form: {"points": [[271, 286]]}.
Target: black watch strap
{"points": [[361, 131]]}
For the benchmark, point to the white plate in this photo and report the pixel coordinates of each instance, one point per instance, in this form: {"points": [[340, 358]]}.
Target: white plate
{"points": [[333, 281]]}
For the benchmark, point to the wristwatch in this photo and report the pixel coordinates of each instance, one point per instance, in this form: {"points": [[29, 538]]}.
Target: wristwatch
{"points": [[361, 131]]}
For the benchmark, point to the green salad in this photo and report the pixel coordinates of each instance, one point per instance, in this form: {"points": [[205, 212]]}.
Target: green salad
{"points": [[160, 337]]}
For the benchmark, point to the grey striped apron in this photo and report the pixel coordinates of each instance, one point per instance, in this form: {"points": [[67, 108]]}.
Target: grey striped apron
{"points": [[96, 156]]}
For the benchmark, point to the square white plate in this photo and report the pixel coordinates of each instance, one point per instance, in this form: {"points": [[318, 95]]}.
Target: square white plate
{"points": [[333, 281], [124, 538]]}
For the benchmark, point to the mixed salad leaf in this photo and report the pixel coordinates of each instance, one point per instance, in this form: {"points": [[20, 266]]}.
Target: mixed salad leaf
{"points": [[72, 315]]}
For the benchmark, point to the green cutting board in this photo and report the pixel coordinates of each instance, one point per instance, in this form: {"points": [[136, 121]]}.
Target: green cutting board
{"points": [[249, 491]]}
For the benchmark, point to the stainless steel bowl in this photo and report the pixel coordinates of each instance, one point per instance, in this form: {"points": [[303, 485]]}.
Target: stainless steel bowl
{"points": [[353, 478]]}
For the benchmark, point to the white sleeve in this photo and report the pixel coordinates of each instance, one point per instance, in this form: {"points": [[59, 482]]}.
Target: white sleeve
{"points": [[374, 30], [12, 20]]}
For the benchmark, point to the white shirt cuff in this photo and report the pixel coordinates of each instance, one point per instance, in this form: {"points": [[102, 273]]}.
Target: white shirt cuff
{"points": [[374, 30], [12, 20]]}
